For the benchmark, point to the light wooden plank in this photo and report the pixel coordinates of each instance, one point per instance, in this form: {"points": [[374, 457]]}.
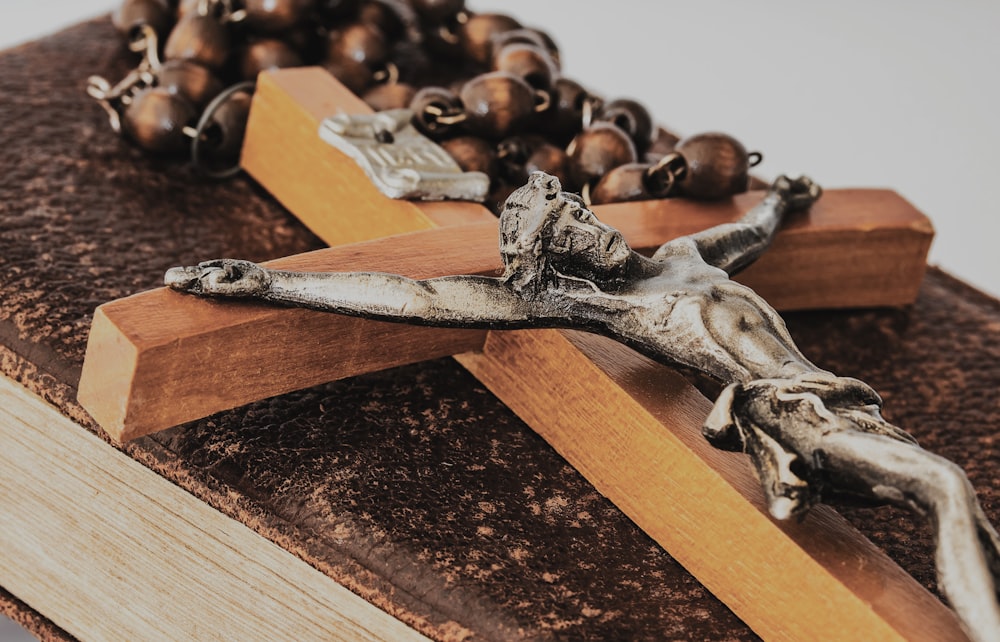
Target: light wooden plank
{"points": [[853, 248], [633, 429], [109, 550], [282, 150], [160, 358]]}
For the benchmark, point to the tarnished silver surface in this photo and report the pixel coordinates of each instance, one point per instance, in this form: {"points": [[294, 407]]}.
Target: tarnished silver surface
{"points": [[399, 160], [811, 434]]}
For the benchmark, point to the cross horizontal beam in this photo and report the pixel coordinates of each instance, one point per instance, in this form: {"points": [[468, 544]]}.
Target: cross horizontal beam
{"points": [[139, 353]]}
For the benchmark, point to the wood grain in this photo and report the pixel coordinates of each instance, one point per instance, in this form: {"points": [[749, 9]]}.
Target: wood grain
{"points": [[327, 190], [161, 358], [141, 544], [853, 248], [633, 429]]}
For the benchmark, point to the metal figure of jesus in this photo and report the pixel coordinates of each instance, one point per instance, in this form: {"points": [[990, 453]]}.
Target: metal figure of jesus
{"points": [[812, 435]]}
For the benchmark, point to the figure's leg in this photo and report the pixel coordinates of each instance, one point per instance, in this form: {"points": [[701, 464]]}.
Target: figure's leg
{"points": [[818, 433], [968, 549]]}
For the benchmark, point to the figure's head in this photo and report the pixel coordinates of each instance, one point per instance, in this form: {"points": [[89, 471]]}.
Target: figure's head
{"points": [[545, 231]]}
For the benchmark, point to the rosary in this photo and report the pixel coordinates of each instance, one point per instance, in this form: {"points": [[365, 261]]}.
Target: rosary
{"points": [[484, 87]]}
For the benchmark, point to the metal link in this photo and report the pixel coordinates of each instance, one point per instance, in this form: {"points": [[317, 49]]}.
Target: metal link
{"points": [[442, 117], [144, 75], [197, 134], [543, 100], [589, 103], [389, 74], [665, 172]]}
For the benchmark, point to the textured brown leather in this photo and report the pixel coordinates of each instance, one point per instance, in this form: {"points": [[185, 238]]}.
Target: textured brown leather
{"points": [[39, 626], [414, 487]]}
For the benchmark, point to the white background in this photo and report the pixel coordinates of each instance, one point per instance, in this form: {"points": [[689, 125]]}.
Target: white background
{"points": [[878, 93]]}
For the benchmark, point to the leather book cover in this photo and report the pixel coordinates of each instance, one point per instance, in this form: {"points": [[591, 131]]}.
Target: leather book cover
{"points": [[414, 487]]}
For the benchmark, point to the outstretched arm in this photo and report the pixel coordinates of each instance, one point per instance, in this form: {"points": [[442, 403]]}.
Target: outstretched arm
{"points": [[455, 301], [733, 246]]}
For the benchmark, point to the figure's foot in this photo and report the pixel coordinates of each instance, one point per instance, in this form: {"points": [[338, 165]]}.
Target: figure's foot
{"points": [[799, 193], [221, 277]]}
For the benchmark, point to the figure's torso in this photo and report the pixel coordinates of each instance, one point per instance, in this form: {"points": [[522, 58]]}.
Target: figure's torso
{"points": [[693, 315]]}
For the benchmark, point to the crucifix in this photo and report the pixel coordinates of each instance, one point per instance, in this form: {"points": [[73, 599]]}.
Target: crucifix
{"points": [[630, 427]]}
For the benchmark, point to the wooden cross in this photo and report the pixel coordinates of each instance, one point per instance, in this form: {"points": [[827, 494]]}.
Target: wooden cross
{"points": [[630, 426]]}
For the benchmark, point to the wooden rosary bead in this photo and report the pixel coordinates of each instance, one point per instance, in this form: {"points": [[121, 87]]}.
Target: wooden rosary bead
{"points": [[267, 54], [633, 118], [133, 14], [359, 43], [189, 80], [663, 143], [227, 126], [308, 40], [332, 10], [527, 36], [521, 36], [429, 100], [597, 150], [552, 160], [564, 119], [717, 166], [530, 62], [395, 95], [386, 17], [437, 11], [441, 42], [513, 154], [519, 156], [155, 119], [273, 16], [628, 182], [185, 7], [472, 154], [497, 104], [356, 76], [549, 45], [412, 62], [201, 39], [352, 54], [476, 35]]}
